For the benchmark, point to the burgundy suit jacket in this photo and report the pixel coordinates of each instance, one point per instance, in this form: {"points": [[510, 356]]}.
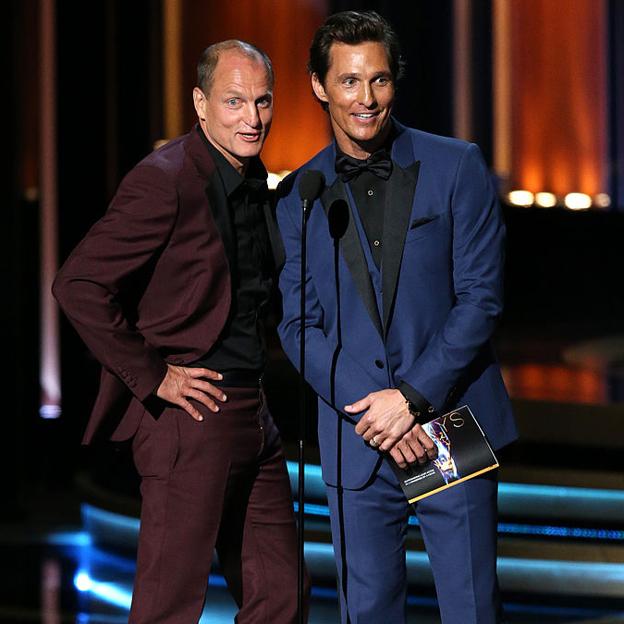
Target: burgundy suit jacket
{"points": [[150, 282]]}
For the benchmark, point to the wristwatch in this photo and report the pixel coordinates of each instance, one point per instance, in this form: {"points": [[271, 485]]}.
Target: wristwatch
{"points": [[418, 406]]}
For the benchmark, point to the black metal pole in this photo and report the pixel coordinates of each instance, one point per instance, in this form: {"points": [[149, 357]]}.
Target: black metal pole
{"points": [[302, 420]]}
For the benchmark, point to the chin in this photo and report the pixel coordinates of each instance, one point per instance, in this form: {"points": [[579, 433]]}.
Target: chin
{"points": [[369, 134], [249, 151]]}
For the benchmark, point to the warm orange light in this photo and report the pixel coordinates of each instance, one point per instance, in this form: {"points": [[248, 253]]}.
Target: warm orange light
{"points": [[602, 200], [558, 109], [577, 201], [554, 382], [275, 178], [545, 200], [521, 198]]}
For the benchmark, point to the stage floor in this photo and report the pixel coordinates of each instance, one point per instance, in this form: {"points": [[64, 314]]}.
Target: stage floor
{"points": [[561, 531]]}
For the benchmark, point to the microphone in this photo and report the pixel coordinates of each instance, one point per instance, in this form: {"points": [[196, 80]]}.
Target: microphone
{"points": [[338, 218], [310, 187]]}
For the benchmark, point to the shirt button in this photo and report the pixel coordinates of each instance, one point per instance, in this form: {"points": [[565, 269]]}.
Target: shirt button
{"points": [[376, 243], [379, 364], [370, 192]]}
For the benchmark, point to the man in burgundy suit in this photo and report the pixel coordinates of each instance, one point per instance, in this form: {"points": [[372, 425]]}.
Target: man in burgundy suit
{"points": [[168, 290]]}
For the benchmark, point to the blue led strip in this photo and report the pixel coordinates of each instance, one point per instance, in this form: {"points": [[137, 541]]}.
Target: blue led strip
{"points": [[322, 511], [560, 531], [520, 499], [92, 514], [119, 594], [507, 528]]}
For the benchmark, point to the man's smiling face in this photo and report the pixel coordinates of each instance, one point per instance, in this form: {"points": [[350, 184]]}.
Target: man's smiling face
{"points": [[359, 92]]}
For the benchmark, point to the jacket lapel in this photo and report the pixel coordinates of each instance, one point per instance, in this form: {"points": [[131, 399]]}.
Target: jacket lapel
{"points": [[352, 252], [396, 221], [214, 189]]}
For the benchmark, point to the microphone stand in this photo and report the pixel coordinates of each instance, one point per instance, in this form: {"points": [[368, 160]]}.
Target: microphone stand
{"points": [[310, 187], [302, 415]]}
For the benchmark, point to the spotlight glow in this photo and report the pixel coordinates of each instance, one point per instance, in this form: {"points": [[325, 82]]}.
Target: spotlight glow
{"points": [[577, 201], [50, 412], [274, 179], [602, 200], [112, 593], [83, 582], [521, 198], [546, 200]]}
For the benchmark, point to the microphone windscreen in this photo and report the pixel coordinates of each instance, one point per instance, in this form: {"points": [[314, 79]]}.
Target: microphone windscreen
{"points": [[338, 217], [311, 185]]}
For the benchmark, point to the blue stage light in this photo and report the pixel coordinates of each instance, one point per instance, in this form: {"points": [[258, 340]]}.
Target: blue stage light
{"points": [[83, 582], [111, 593], [78, 539]]}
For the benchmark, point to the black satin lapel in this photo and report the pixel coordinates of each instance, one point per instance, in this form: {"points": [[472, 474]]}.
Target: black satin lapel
{"points": [[396, 221], [220, 213], [352, 252], [275, 238]]}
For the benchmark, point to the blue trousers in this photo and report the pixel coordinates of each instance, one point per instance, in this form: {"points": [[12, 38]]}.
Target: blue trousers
{"points": [[458, 526]]}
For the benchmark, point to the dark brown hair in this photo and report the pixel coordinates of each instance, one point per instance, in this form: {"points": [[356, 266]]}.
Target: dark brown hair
{"points": [[353, 27]]}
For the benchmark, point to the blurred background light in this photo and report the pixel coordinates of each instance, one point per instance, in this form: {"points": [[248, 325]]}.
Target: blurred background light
{"points": [[546, 200], [275, 178], [521, 198], [83, 582], [577, 201], [602, 200]]}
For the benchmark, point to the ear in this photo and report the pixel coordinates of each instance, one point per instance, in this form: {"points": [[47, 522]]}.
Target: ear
{"points": [[199, 101], [318, 88]]}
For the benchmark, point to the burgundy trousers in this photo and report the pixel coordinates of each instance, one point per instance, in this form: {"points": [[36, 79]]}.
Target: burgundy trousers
{"points": [[220, 483]]}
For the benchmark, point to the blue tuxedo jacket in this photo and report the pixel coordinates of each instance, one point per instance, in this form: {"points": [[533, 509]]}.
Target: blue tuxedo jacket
{"points": [[427, 319]]}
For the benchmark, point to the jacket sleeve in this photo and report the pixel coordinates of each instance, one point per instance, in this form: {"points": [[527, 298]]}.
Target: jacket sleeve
{"points": [[100, 274], [333, 374], [478, 263]]}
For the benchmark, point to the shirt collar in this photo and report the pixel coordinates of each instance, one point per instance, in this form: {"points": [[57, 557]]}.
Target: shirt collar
{"points": [[255, 175]]}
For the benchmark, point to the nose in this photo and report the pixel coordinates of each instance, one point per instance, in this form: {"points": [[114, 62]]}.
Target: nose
{"points": [[366, 95], [252, 116]]}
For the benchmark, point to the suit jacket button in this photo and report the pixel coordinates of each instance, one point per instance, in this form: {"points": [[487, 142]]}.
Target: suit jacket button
{"points": [[431, 409], [379, 364]]}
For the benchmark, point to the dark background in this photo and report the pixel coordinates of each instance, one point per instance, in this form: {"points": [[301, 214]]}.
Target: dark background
{"points": [[563, 268]]}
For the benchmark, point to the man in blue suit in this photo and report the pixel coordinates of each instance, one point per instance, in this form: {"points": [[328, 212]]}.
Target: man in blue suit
{"points": [[403, 291]]}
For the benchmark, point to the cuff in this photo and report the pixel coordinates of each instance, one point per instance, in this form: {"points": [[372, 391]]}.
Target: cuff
{"points": [[420, 408]]}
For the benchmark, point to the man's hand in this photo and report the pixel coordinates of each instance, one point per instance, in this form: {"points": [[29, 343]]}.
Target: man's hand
{"points": [[386, 420], [414, 446], [181, 383]]}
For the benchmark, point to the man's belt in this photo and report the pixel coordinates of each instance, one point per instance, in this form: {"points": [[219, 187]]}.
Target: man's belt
{"points": [[239, 379]]}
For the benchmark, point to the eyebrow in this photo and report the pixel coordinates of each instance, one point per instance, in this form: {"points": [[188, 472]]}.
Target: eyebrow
{"points": [[359, 75], [230, 93]]}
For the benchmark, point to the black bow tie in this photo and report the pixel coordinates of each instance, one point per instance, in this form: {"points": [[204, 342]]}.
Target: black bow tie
{"points": [[378, 163]]}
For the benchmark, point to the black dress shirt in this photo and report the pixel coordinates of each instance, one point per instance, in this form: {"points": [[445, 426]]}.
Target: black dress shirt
{"points": [[369, 193], [241, 345]]}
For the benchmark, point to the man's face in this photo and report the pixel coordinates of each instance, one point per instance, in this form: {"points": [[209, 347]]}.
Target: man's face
{"points": [[236, 113], [359, 91]]}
